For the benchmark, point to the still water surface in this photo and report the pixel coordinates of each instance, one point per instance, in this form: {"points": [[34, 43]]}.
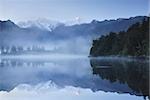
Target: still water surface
{"points": [[90, 78]]}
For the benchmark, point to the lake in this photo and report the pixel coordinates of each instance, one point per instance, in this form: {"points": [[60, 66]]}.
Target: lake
{"points": [[73, 78]]}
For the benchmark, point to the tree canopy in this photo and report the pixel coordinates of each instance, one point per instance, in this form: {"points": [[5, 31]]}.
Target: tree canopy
{"points": [[133, 42]]}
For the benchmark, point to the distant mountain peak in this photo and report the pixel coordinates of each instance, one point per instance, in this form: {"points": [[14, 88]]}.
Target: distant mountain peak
{"points": [[8, 24], [95, 21], [41, 23]]}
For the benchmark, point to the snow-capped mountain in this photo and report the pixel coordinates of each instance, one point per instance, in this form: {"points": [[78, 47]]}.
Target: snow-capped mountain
{"points": [[63, 37], [41, 23]]}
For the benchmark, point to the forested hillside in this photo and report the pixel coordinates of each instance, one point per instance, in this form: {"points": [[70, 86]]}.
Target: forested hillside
{"points": [[133, 42]]}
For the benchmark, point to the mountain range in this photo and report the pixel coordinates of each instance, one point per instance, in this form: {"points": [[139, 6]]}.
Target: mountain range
{"points": [[63, 37]]}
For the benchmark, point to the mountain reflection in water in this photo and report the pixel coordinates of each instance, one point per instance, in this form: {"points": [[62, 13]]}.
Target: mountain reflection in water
{"points": [[109, 75]]}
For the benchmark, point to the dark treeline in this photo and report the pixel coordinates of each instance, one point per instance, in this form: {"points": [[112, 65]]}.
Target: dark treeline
{"points": [[19, 49], [133, 42], [124, 72]]}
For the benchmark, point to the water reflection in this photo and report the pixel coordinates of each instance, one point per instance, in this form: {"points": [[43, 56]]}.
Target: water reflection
{"points": [[64, 72], [109, 75], [134, 73]]}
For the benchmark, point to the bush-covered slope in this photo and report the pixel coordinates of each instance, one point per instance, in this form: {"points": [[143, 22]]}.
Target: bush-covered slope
{"points": [[133, 42]]}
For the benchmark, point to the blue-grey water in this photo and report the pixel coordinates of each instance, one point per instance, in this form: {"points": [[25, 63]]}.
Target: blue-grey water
{"points": [[105, 78]]}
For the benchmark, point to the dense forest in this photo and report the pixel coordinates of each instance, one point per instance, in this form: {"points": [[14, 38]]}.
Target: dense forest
{"points": [[133, 42]]}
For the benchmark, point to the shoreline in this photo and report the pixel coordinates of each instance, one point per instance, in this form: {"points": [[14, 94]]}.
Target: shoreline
{"points": [[121, 57]]}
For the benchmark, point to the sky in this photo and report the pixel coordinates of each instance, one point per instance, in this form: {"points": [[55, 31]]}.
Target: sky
{"points": [[65, 10]]}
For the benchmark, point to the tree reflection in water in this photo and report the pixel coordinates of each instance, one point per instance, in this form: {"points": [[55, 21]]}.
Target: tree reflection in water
{"points": [[134, 73], [109, 75]]}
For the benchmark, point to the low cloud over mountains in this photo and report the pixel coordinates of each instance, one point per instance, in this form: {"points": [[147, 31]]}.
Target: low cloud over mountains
{"points": [[74, 39]]}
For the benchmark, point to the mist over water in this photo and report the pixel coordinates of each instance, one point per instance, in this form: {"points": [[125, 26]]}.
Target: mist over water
{"points": [[37, 63], [73, 39], [76, 77]]}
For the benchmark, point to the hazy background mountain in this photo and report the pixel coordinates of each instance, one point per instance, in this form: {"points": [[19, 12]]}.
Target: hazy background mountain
{"points": [[59, 37], [41, 23]]}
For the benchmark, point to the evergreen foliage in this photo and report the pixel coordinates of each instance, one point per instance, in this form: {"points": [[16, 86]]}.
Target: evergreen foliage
{"points": [[133, 42]]}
